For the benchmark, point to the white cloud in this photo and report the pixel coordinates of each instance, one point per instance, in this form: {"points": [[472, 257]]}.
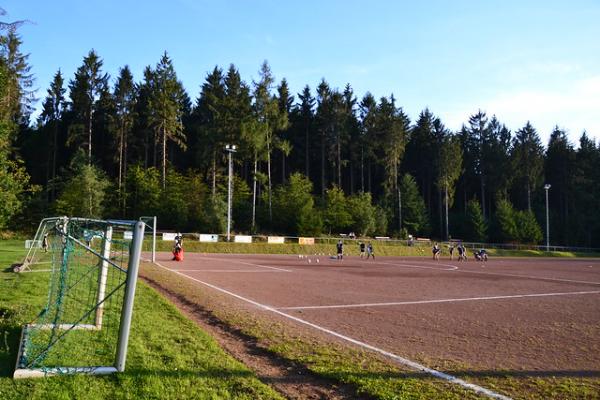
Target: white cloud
{"points": [[575, 108]]}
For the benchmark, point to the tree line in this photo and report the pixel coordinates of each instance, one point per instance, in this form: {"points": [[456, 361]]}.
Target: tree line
{"points": [[320, 161]]}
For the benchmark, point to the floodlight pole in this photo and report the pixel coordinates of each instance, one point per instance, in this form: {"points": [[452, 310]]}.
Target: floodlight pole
{"points": [[446, 198], [230, 149], [547, 187]]}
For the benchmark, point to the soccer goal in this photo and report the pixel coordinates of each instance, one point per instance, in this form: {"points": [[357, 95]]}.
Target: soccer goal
{"points": [[84, 326]]}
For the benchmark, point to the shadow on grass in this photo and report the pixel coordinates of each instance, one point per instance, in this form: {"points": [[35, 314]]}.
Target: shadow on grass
{"points": [[9, 347]]}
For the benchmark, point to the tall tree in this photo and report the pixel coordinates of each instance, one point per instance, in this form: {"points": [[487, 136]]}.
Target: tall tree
{"points": [[269, 118], [528, 159], [559, 172], [52, 114], [306, 114], [368, 142], [448, 169], [125, 96], [167, 110], [85, 91]]}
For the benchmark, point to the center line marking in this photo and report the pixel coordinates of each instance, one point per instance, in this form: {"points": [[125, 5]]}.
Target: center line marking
{"points": [[246, 263], [400, 303], [401, 360]]}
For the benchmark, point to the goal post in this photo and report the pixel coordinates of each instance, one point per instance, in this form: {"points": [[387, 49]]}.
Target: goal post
{"points": [[150, 223], [84, 327]]}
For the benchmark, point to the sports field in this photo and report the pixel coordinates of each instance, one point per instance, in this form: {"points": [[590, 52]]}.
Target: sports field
{"points": [[467, 322]]}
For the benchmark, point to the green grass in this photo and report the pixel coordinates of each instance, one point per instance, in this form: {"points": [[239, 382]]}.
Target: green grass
{"points": [[350, 248], [169, 356]]}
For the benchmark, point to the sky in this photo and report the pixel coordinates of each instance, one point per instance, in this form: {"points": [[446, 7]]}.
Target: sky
{"points": [[523, 60]]}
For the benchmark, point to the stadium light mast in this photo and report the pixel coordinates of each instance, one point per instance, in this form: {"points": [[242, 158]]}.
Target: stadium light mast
{"points": [[230, 149], [547, 187]]}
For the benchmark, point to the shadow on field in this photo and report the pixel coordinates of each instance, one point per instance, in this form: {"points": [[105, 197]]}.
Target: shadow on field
{"points": [[9, 347]]}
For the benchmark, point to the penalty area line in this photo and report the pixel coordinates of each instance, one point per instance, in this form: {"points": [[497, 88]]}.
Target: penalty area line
{"points": [[401, 360]]}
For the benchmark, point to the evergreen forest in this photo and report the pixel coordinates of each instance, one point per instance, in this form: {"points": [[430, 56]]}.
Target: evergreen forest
{"points": [[322, 161]]}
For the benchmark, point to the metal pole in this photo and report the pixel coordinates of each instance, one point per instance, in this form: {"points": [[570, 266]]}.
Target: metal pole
{"points": [[447, 232], [229, 200], [103, 275], [399, 210], [132, 273], [547, 221], [154, 239]]}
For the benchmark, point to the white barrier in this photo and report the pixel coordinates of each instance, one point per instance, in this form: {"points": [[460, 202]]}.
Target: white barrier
{"points": [[209, 238], [276, 239], [128, 235], [242, 239], [33, 244], [169, 236], [306, 240]]}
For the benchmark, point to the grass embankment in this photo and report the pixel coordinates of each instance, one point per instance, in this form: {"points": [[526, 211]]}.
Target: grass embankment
{"points": [[350, 248], [368, 372], [169, 356]]}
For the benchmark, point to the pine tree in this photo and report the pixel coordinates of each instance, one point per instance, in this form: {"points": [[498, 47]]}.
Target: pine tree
{"points": [[528, 158], [85, 90], [52, 113], [306, 115], [166, 103], [125, 95], [414, 211], [368, 141], [505, 223], [476, 225]]}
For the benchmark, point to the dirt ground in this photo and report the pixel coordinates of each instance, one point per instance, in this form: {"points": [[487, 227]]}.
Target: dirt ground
{"points": [[537, 317]]}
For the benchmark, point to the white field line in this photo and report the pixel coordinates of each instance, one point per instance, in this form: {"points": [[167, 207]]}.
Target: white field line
{"points": [[451, 267], [35, 270], [401, 360], [401, 303], [246, 263], [227, 270], [541, 278]]}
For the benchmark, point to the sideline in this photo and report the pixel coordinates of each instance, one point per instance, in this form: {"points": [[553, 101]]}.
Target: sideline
{"points": [[401, 360]]}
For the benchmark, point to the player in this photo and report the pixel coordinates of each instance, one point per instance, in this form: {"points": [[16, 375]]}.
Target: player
{"points": [[361, 246], [481, 255], [178, 248], [462, 256], [451, 250], [45, 243], [340, 250], [370, 251], [436, 251]]}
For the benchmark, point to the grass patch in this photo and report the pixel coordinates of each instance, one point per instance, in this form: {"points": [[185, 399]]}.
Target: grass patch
{"points": [[169, 356]]}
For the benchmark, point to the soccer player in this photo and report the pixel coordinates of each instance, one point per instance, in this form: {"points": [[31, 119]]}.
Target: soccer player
{"points": [[361, 246], [340, 250], [370, 251]]}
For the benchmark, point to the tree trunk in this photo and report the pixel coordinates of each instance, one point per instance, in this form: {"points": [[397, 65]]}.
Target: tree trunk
{"points": [[282, 167], [307, 152], [90, 137], [254, 192], [54, 150], [339, 163], [214, 173], [362, 170], [323, 165], [269, 177], [483, 210], [528, 197], [164, 158]]}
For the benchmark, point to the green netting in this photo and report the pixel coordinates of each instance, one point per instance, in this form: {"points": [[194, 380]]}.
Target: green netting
{"points": [[79, 326]]}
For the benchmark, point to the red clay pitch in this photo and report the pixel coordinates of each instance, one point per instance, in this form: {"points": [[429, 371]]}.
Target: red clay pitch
{"points": [[523, 315]]}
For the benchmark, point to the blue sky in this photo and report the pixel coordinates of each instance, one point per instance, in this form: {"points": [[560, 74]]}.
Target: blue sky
{"points": [[521, 60]]}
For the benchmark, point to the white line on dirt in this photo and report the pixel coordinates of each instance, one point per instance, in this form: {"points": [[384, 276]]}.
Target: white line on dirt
{"points": [[401, 360], [541, 278], [400, 303], [246, 263], [228, 270], [451, 267]]}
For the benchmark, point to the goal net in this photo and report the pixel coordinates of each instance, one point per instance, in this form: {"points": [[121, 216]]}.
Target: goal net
{"points": [[84, 326]]}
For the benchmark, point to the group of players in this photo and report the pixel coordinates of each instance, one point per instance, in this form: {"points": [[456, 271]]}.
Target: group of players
{"points": [[480, 255]]}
